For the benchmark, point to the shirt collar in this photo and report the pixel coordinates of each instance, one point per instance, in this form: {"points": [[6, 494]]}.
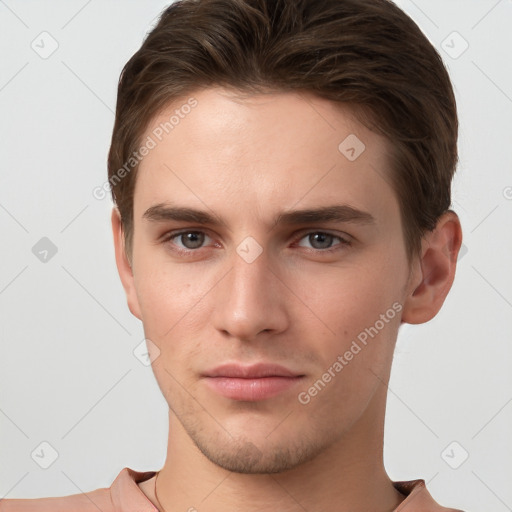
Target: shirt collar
{"points": [[128, 497]]}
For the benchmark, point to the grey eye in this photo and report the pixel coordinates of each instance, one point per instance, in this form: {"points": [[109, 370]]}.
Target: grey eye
{"points": [[191, 239]]}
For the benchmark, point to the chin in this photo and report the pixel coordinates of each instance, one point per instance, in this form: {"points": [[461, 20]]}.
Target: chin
{"points": [[245, 457]]}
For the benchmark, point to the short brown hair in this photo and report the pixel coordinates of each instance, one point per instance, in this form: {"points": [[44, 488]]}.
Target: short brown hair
{"points": [[366, 53]]}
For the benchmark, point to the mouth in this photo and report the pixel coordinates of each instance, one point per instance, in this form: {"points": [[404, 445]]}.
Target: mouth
{"points": [[251, 383]]}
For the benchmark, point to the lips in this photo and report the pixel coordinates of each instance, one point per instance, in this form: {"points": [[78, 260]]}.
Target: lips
{"points": [[251, 383], [251, 372]]}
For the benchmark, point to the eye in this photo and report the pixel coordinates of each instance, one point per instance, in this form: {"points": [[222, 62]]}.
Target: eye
{"points": [[319, 241], [322, 241], [189, 240]]}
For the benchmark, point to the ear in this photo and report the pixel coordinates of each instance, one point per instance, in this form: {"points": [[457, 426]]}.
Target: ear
{"points": [[433, 273], [124, 267]]}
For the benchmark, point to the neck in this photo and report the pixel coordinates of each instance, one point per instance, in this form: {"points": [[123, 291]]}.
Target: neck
{"points": [[348, 476]]}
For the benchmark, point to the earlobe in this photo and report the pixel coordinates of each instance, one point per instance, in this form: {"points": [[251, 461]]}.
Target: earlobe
{"points": [[124, 266], [435, 271]]}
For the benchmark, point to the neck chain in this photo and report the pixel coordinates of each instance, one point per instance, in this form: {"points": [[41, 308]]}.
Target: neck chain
{"points": [[162, 509]]}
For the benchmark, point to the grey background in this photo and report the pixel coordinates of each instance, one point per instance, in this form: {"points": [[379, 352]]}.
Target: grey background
{"points": [[68, 373]]}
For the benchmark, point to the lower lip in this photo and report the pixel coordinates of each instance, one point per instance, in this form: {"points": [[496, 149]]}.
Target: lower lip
{"points": [[251, 390]]}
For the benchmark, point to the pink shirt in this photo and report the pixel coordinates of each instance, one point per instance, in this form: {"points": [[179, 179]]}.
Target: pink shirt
{"points": [[124, 495]]}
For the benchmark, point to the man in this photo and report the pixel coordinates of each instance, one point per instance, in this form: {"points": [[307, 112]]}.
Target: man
{"points": [[281, 172]]}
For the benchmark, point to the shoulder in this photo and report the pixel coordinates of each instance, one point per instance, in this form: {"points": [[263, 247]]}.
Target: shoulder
{"points": [[418, 498], [85, 502], [123, 495]]}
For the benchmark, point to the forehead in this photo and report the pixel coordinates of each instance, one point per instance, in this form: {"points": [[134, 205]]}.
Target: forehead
{"points": [[220, 113], [262, 152]]}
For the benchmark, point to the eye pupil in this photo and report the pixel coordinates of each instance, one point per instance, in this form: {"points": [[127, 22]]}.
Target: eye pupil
{"points": [[192, 240], [322, 238]]}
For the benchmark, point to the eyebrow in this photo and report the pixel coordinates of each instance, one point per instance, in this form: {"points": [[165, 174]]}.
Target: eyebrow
{"points": [[333, 213]]}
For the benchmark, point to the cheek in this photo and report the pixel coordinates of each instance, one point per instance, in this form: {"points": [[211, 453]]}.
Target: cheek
{"points": [[364, 314], [169, 297], [349, 300], [171, 307], [361, 308]]}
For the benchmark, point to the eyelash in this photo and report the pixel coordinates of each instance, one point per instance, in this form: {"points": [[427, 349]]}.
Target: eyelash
{"points": [[342, 241]]}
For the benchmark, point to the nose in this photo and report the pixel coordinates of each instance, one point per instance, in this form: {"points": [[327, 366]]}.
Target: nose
{"points": [[250, 300]]}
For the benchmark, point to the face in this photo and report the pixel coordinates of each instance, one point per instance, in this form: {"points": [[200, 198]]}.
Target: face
{"points": [[293, 255]]}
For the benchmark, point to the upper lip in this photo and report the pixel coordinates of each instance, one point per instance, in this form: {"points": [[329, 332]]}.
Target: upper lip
{"points": [[254, 371]]}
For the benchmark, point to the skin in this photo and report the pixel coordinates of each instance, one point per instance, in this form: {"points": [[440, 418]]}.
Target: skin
{"points": [[248, 159]]}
